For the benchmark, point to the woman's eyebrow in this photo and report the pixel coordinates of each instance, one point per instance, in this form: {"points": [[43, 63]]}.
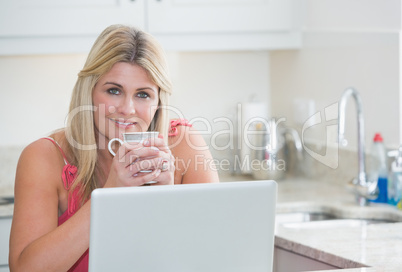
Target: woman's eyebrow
{"points": [[113, 83], [139, 89], [147, 88]]}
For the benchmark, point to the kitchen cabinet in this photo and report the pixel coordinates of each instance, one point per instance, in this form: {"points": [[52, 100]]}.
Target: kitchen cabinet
{"points": [[54, 26], [46, 18], [215, 25], [5, 227], [218, 16]]}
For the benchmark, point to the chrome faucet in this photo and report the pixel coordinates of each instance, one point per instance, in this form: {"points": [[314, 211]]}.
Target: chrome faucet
{"points": [[362, 186]]}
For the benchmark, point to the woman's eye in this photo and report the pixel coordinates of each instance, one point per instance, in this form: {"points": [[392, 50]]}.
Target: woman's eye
{"points": [[113, 91], [142, 95]]}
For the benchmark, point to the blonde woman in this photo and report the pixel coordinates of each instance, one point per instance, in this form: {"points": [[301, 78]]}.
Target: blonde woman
{"points": [[123, 87]]}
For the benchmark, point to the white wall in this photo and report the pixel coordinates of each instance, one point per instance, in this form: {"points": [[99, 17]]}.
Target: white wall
{"points": [[35, 95], [36, 90], [210, 85], [345, 43]]}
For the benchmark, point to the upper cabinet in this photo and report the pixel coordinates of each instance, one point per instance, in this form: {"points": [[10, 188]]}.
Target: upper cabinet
{"points": [[218, 16], [55, 26], [46, 18]]}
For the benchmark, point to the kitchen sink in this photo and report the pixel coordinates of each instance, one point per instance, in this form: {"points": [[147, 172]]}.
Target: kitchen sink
{"points": [[323, 220], [327, 216]]}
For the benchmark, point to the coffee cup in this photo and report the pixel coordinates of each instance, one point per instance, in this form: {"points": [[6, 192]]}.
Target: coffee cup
{"points": [[132, 137]]}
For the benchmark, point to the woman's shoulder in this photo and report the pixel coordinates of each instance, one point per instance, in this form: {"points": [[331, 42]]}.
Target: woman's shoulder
{"points": [[193, 159], [40, 164], [184, 138], [177, 125], [43, 151]]}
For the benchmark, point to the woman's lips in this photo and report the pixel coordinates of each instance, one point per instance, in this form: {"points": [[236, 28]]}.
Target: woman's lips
{"points": [[124, 124]]}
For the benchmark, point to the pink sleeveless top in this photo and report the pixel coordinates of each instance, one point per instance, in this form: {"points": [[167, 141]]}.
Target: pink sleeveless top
{"points": [[68, 176]]}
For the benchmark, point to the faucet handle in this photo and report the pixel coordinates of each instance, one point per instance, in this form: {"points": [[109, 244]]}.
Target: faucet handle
{"points": [[369, 190]]}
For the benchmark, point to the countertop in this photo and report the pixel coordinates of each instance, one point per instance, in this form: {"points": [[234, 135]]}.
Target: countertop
{"points": [[366, 248], [376, 246]]}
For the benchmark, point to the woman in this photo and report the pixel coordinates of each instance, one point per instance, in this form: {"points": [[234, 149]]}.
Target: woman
{"points": [[123, 87]]}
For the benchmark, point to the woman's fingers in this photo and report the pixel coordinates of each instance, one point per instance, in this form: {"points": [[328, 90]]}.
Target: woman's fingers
{"points": [[157, 142], [148, 161], [128, 155]]}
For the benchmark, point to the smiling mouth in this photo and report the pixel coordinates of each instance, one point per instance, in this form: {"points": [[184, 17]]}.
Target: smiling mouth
{"points": [[125, 124]]}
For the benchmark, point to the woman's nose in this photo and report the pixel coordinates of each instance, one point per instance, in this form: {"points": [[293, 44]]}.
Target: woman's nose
{"points": [[127, 107]]}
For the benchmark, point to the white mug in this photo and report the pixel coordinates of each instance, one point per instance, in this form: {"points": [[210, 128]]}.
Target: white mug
{"points": [[132, 137]]}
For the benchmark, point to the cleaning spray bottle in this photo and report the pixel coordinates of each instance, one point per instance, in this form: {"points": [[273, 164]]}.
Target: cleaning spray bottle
{"points": [[379, 167], [395, 181]]}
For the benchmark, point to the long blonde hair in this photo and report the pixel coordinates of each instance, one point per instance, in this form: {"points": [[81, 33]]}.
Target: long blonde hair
{"points": [[117, 43]]}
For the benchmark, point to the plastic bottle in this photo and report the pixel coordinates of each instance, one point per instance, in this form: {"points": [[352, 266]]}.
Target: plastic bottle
{"points": [[379, 169], [395, 181]]}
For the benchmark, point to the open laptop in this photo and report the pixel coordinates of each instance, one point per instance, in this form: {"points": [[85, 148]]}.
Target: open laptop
{"points": [[225, 227]]}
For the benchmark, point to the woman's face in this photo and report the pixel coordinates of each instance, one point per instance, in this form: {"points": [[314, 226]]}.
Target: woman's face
{"points": [[126, 101]]}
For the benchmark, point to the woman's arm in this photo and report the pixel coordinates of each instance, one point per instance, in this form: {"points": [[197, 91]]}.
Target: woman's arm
{"points": [[193, 160], [36, 242]]}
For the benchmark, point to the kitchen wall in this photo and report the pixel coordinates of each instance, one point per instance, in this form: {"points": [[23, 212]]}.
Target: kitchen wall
{"points": [[346, 43], [37, 89], [36, 92]]}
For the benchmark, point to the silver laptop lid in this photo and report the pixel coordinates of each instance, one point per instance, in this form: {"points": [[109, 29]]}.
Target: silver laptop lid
{"points": [[184, 228]]}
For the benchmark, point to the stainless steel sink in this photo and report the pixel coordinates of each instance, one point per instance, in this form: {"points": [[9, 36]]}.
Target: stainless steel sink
{"points": [[327, 216], [323, 220]]}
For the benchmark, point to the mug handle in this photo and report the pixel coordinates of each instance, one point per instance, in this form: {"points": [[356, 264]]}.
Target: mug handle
{"points": [[110, 145]]}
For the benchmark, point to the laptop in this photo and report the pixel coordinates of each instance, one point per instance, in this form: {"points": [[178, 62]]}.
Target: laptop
{"points": [[184, 228]]}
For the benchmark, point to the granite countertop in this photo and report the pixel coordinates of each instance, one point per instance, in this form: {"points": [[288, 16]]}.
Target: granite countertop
{"points": [[362, 248]]}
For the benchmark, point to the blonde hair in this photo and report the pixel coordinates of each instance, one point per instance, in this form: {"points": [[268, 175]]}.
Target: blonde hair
{"points": [[117, 43]]}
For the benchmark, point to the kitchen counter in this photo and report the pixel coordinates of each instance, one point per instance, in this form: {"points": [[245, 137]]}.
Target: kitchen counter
{"points": [[366, 248], [376, 246]]}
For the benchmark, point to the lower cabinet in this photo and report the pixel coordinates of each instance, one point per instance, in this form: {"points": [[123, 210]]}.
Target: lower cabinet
{"points": [[286, 261], [5, 227]]}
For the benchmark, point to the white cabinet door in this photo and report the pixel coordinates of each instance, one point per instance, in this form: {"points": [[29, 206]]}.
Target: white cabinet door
{"points": [[218, 16], [57, 18], [57, 27]]}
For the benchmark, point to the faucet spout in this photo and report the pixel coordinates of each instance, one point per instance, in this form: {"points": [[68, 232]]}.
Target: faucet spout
{"points": [[363, 188]]}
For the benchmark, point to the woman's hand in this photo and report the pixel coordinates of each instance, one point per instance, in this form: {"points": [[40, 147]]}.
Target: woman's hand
{"points": [[136, 164]]}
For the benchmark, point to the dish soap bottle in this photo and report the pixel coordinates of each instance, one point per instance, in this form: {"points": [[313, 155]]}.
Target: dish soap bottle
{"points": [[380, 168], [395, 181]]}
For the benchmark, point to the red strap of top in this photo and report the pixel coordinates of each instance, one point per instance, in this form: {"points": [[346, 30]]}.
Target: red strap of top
{"points": [[177, 122], [68, 176], [57, 144]]}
